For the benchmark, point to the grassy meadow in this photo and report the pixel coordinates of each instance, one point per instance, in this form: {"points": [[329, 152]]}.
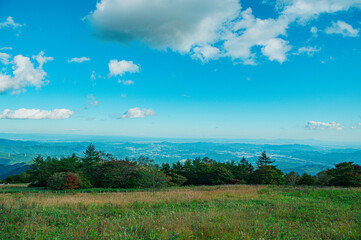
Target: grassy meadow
{"points": [[218, 212]]}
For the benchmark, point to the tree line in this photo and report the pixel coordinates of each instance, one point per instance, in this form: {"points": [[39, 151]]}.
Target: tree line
{"points": [[101, 170]]}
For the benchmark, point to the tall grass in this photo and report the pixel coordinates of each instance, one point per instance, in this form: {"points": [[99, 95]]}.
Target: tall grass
{"points": [[221, 212]]}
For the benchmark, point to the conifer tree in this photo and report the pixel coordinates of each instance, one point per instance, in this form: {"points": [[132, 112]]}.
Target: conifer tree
{"points": [[264, 160]]}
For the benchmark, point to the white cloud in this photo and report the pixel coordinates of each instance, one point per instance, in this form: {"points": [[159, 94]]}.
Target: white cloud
{"points": [[6, 48], [313, 125], [303, 10], [36, 114], [24, 74], [307, 50], [4, 58], [206, 53], [41, 59], [126, 82], [137, 113], [342, 28], [93, 75], [92, 100], [121, 67], [314, 31], [79, 60], [208, 29], [276, 49], [250, 31], [10, 23]]}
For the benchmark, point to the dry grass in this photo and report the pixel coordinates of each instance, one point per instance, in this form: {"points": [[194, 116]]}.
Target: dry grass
{"points": [[220, 212], [205, 193]]}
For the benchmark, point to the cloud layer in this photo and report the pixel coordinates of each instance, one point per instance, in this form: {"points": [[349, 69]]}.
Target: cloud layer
{"points": [[24, 74], [208, 29], [36, 114], [313, 125], [137, 113]]}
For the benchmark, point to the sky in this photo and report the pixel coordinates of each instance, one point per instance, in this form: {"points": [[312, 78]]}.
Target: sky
{"points": [[182, 68]]}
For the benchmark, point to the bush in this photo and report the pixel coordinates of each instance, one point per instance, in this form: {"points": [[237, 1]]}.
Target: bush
{"points": [[63, 181], [151, 177], [235, 181], [176, 179], [292, 178]]}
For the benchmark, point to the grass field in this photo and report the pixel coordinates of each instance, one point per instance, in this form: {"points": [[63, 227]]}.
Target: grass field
{"points": [[220, 212]]}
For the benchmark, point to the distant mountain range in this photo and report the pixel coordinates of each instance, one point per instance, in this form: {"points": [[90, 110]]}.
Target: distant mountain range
{"points": [[15, 155]]}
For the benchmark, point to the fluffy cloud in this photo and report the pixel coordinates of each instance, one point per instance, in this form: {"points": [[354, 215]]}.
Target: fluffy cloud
{"points": [[126, 82], [4, 58], [36, 114], [303, 10], [121, 67], [276, 49], [179, 25], [24, 74], [342, 28], [79, 60], [10, 23], [313, 125], [307, 50], [208, 29], [137, 113], [206, 53]]}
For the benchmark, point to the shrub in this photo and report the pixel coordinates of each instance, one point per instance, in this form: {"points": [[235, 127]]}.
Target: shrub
{"points": [[235, 181], [151, 177], [292, 178], [176, 179], [63, 181]]}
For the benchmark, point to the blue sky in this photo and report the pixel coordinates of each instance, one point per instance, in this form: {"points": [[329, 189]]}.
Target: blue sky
{"points": [[200, 68]]}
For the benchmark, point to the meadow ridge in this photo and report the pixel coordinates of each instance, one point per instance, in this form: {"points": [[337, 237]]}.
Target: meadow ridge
{"points": [[202, 212]]}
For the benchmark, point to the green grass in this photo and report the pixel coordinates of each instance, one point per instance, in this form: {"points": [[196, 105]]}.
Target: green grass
{"points": [[220, 212]]}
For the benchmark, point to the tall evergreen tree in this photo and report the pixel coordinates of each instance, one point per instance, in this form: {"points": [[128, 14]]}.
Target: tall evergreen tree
{"points": [[264, 160]]}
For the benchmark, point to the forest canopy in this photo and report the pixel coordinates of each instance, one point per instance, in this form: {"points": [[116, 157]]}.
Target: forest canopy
{"points": [[101, 170]]}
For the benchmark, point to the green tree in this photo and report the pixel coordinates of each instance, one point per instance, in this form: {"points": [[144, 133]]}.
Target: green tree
{"points": [[292, 178], [114, 174], [345, 174], [267, 174], [323, 178], [264, 160], [307, 180], [63, 181]]}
